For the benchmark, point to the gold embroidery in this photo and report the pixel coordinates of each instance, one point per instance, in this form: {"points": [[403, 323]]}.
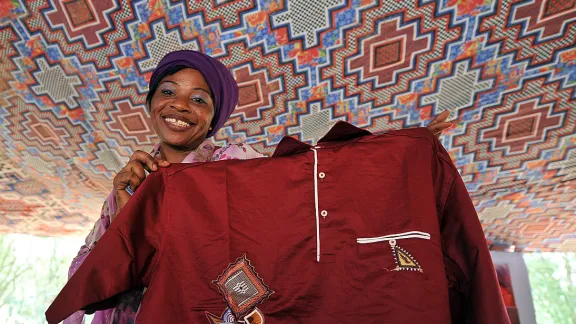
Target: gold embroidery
{"points": [[404, 260], [213, 318], [255, 317]]}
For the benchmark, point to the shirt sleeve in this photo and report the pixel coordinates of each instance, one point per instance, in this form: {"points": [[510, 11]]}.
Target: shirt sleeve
{"points": [[122, 259], [474, 290]]}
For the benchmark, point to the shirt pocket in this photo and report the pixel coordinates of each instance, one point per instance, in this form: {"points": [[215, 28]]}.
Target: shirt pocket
{"points": [[388, 266], [403, 258]]}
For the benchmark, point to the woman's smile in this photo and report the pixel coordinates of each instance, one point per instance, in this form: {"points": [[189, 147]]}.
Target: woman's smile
{"points": [[177, 123]]}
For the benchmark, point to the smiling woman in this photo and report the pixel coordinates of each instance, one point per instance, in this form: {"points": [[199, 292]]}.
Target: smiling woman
{"points": [[191, 96]]}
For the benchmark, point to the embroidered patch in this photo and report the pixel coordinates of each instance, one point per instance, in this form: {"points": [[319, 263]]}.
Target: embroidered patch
{"points": [[404, 260], [213, 318], [242, 288], [255, 317], [226, 317]]}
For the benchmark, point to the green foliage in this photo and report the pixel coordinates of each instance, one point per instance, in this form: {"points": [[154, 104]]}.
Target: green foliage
{"points": [[32, 272], [553, 284]]}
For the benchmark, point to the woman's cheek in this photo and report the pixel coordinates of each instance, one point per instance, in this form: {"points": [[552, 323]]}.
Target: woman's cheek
{"points": [[207, 117]]}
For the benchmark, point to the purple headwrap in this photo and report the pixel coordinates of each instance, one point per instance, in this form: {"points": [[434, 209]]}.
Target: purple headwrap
{"points": [[221, 82]]}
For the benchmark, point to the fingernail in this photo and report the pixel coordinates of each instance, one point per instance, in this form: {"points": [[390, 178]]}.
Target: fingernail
{"points": [[154, 167]]}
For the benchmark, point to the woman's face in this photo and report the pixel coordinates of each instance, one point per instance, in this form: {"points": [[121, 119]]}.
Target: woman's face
{"points": [[182, 109]]}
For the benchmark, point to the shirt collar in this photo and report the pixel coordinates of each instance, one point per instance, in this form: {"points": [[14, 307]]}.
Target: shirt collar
{"points": [[341, 132]]}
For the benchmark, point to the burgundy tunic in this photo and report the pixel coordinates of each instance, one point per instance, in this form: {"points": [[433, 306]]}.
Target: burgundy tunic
{"points": [[361, 228]]}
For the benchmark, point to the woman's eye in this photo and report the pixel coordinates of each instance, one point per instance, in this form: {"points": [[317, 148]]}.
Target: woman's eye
{"points": [[199, 100], [167, 92]]}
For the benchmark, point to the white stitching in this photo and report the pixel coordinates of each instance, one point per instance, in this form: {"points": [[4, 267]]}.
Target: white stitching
{"points": [[316, 204], [393, 237]]}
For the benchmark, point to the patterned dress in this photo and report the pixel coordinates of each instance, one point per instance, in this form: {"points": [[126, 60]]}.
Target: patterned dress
{"points": [[129, 302]]}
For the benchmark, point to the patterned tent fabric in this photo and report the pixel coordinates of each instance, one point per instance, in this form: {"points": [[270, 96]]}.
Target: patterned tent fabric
{"points": [[73, 79]]}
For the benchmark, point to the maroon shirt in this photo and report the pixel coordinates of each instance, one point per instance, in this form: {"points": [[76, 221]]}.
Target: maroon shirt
{"points": [[359, 229]]}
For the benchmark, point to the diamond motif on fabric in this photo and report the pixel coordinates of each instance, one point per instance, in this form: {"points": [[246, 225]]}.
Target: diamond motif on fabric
{"points": [[79, 12], [242, 288], [387, 54], [318, 18], [556, 6], [249, 94]]}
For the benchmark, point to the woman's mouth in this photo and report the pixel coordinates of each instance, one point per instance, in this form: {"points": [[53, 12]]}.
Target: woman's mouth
{"points": [[177, 124]]}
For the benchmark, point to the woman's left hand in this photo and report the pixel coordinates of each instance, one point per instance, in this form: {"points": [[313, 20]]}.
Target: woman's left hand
{"points": [[439, 124]]}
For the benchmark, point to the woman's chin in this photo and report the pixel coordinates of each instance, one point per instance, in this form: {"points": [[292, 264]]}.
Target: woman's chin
{"points": [[180, 142], [185, 141]]}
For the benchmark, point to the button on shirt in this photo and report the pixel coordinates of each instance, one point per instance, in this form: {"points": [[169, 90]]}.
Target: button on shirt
{"points": [[361, 228]]}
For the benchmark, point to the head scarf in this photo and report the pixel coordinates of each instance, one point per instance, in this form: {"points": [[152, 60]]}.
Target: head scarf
{"points": [[221, 82]]}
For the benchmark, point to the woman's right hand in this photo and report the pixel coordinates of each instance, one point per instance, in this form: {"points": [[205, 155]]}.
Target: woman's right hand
{"points": [[132, 175]]}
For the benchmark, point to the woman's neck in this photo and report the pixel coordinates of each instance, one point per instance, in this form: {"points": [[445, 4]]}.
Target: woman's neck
{"points": [[173, 154]]}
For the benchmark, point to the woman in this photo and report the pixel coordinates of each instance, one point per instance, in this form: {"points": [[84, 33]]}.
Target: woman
{"points": [[191, 96]]}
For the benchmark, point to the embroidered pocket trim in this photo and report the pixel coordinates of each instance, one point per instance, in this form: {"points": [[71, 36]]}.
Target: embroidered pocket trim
{"points": [[404, 260], [406, 235]]}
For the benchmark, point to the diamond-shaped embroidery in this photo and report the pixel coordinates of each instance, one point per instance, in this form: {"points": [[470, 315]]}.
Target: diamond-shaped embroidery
{"points": [[404, 260], [242, 288]]}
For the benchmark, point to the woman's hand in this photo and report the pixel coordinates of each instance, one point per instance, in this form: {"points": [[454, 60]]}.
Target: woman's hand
{"points": [[439, 124], [132, 175]]}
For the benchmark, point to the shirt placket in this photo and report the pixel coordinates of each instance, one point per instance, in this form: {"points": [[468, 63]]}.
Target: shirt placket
{"points": [[322, 212]]}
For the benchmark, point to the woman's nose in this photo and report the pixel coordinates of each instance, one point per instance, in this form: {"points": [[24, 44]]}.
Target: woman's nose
{"points": [[180, 105]]}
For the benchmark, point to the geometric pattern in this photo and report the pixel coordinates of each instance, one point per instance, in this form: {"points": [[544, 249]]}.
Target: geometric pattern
{"points": [[527, 122], [314, 125], [241, 287], [533, 28], [459, 90], [74, 77], [317, 18], [78, 18], [54, 83], [255, 91]]}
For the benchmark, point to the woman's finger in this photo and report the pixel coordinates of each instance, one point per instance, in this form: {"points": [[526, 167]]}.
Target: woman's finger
{"points": [[162, 163], [136, 167], [120, 181], [134, 181], [146, 160], [442, 117], [125, 179], [438, 127]]}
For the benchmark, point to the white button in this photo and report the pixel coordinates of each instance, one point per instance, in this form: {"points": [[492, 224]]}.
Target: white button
{"points": [[324, 213], [322, 175]]}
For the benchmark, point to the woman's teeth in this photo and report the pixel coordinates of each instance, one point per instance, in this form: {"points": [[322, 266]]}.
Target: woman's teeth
{"points": [[177, 122]]}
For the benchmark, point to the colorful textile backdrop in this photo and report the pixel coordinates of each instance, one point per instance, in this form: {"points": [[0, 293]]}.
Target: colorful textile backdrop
{"points": [[73, 79]]}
